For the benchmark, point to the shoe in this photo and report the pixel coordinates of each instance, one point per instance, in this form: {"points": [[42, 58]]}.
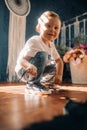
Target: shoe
{"points": [[47, 78], [37, 88]]}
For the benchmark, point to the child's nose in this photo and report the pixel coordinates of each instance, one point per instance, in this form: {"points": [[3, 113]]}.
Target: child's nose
{"points": [[52, 29]]}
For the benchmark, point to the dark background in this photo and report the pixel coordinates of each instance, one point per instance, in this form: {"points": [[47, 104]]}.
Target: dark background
{"points": [[65, 8]]}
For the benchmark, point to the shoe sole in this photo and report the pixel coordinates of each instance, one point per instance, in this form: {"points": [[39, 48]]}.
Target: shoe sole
{"points": [[38, 92]]}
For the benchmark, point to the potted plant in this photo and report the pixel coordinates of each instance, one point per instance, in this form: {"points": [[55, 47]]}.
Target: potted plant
{"points": [[77, 59]]}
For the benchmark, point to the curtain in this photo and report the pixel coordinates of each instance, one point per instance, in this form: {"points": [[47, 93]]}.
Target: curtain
{"points": [[17, 28]]}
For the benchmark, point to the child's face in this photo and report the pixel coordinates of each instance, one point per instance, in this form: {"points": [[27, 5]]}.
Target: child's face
{"points": [[50, 29]]}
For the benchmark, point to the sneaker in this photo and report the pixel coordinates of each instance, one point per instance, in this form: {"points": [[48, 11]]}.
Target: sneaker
{"points": [[47, 78], [37, 88]]}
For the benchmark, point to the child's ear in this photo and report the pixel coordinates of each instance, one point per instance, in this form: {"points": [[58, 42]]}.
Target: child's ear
{"points": [[38, 28]]}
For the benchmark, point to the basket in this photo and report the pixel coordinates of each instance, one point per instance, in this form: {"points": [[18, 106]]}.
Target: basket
{"points": [[79, 71]]}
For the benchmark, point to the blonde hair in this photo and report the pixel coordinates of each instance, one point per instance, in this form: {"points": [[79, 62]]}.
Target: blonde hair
{"points": [[46, 15]]}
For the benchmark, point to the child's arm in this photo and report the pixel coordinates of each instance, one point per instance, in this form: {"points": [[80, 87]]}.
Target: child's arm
{"points": [[26, 65], [59, 71]]}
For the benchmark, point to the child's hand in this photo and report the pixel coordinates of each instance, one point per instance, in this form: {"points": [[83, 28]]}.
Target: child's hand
{"points": [[57, 79], [32, 70]]}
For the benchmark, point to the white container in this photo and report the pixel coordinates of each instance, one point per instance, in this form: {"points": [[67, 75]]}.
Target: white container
{"points": [[79, 71]]}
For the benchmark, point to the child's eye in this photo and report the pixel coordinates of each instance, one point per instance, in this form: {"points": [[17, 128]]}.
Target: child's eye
{"points": [[48, 26], [56, 28]]}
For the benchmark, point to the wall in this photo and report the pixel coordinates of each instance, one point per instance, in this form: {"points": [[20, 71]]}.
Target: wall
{"points": [[4, 20]]}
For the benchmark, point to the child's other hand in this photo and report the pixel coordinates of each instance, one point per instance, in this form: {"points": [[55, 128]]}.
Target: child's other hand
{"points": [[57, 80], [32, 70]]}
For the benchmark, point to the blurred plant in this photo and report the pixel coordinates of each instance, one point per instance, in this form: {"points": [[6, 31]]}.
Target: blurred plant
{"points": [[78, 51], [79, 39], [62, 49]]}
